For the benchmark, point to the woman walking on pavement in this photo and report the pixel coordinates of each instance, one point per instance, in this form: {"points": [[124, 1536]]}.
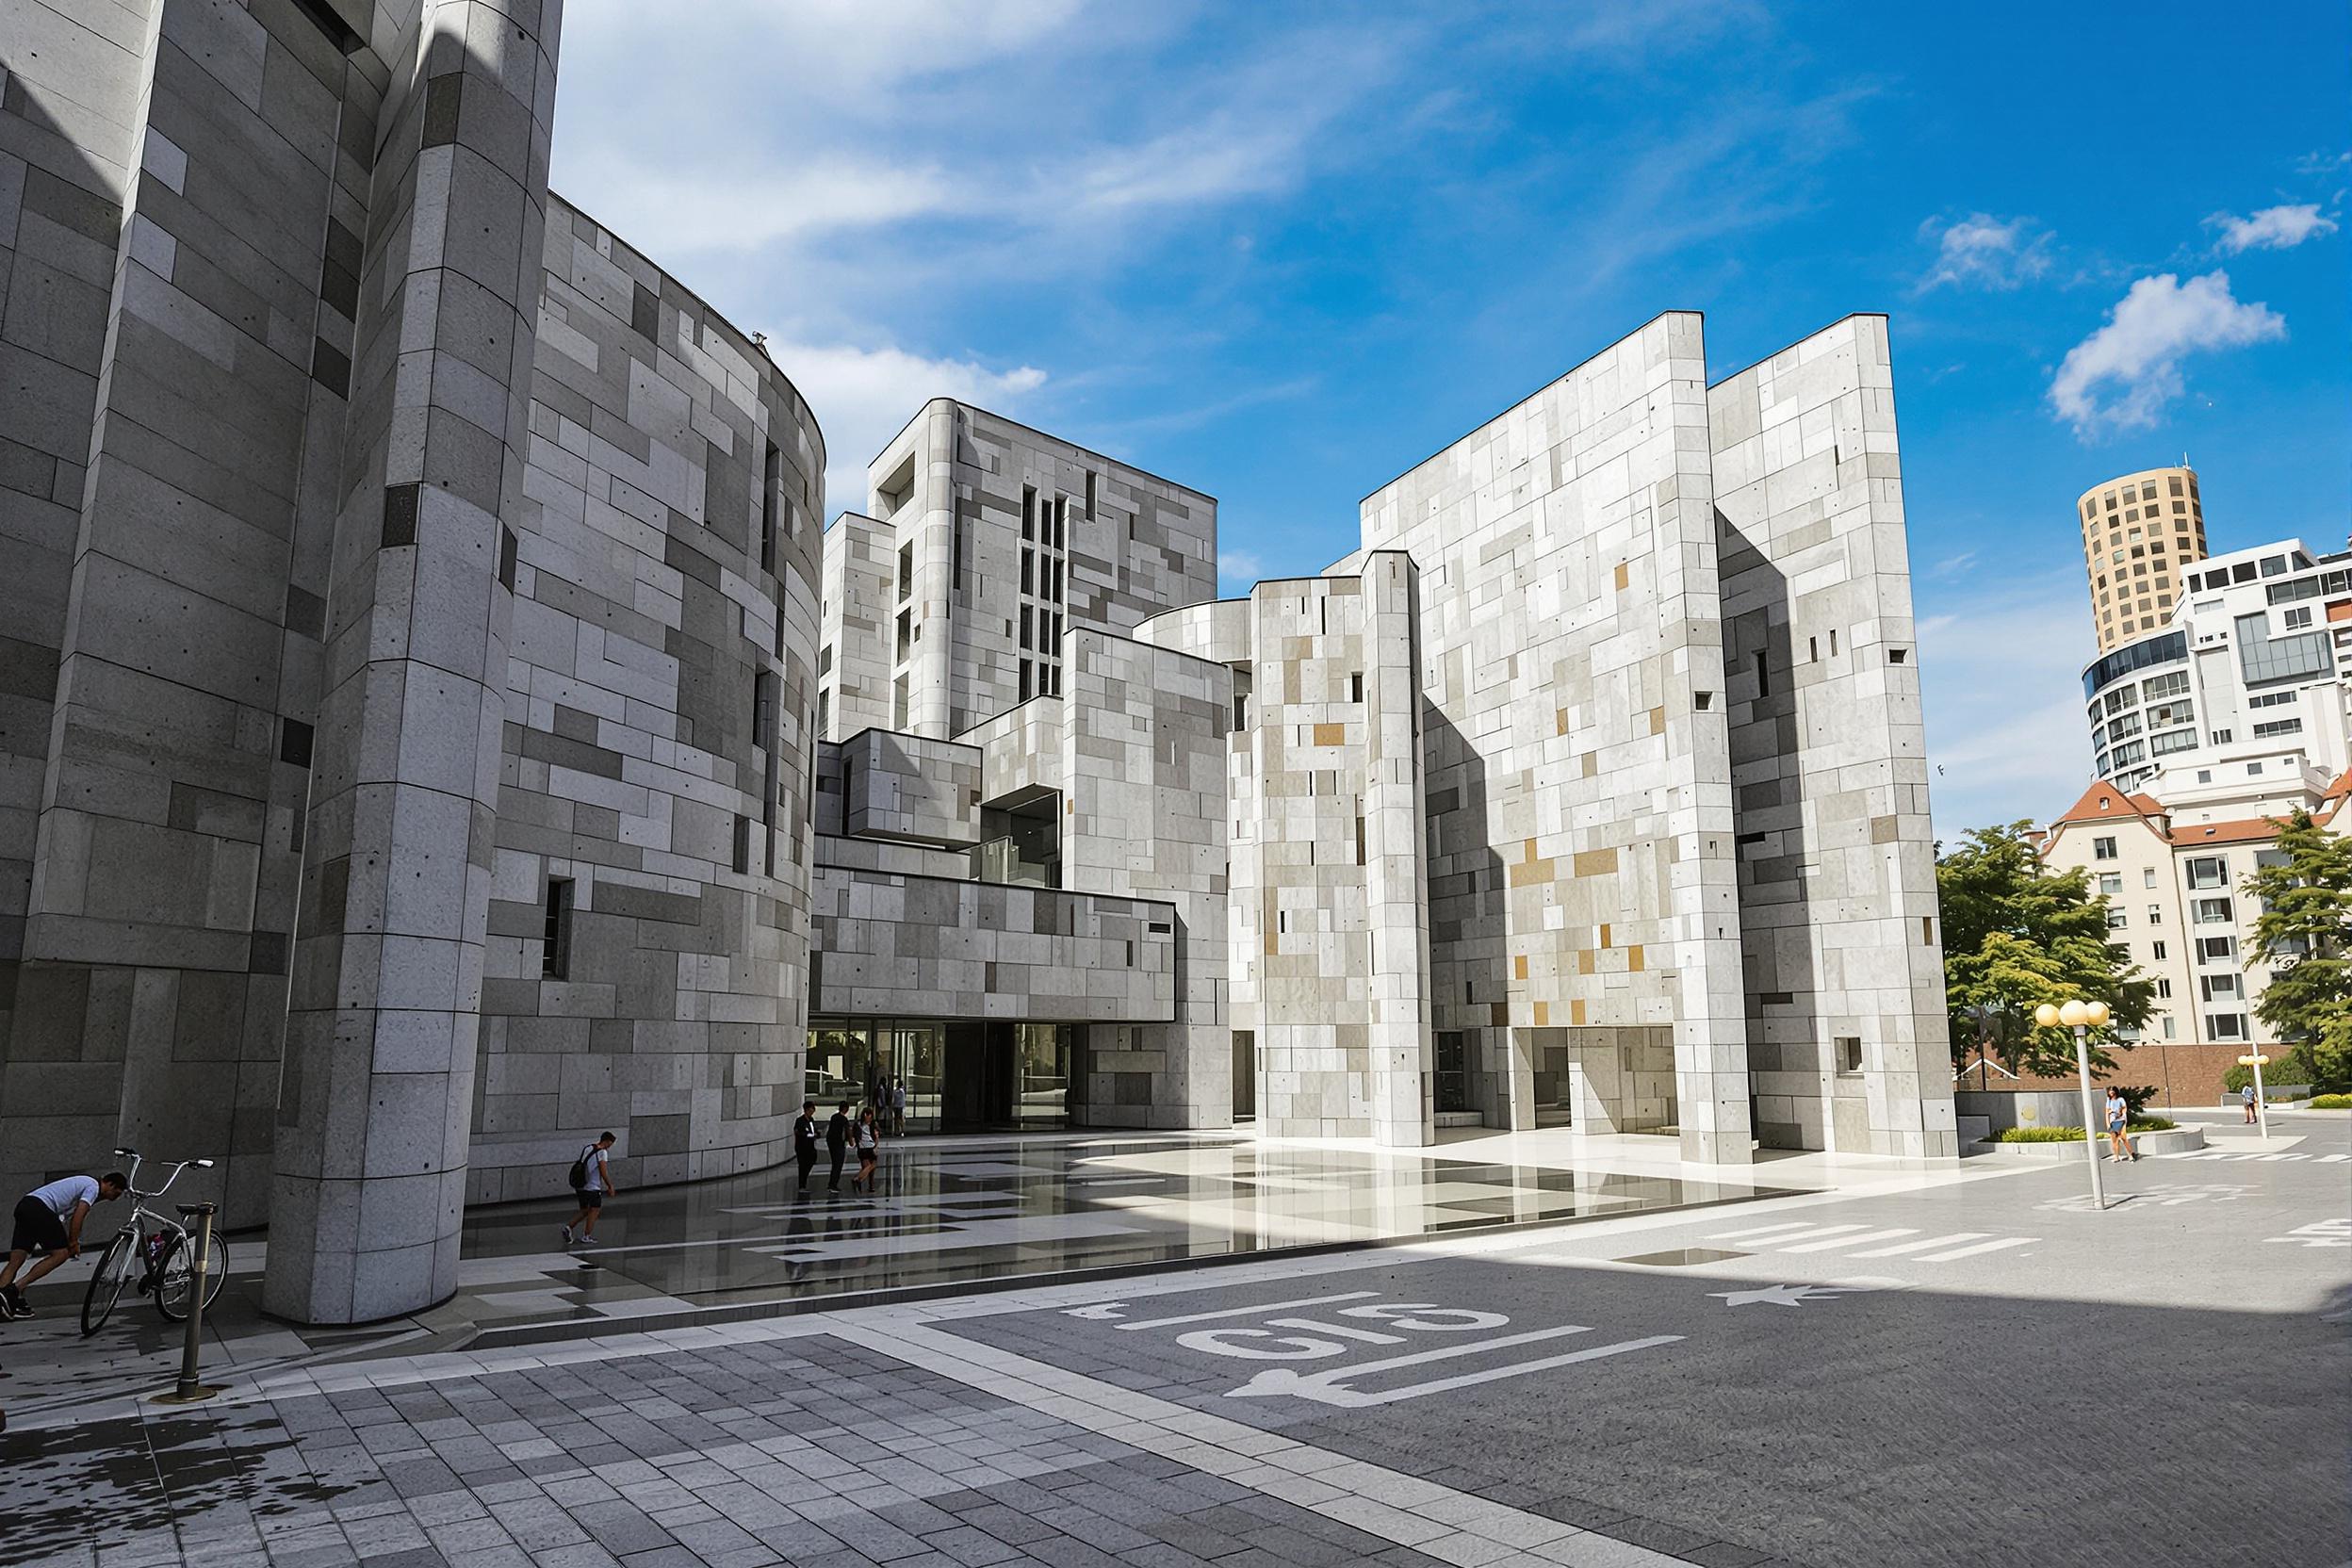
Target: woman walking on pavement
{"points": [[869, 1151], [2118, 1117]]}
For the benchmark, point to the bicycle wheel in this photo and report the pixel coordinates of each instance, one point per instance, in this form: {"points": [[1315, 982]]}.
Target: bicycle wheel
{"points": [[107, 1282], [173, 1287]]}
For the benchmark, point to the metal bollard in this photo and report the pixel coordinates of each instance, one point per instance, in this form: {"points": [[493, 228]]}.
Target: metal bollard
{"points": [[190, 1386]]}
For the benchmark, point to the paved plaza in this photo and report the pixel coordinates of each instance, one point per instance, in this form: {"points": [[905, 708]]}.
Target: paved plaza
{"points": [[1917, 1366], [948, 1214]]}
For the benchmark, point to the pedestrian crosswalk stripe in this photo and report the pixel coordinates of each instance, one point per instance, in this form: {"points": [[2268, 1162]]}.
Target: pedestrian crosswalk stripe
{"points": [[1761, 1231], [1850, 1241], [1901, 1248], [1993, 1246], [1948, 1248]]}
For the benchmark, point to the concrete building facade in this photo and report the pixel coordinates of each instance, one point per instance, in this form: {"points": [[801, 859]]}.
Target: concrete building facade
{"points": [[411, 678], [436, 729], [1491, 829]]}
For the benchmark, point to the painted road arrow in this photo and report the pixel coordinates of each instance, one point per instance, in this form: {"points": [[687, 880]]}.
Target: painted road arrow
{"points": [[1331, 1388]]}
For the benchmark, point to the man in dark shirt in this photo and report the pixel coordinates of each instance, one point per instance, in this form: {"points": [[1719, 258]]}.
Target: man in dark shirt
{"points": [[805, 1141], [837, 1143]]}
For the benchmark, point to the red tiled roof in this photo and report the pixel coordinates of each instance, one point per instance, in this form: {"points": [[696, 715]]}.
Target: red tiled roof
{"points": [[2242, 831], [2104, 802]]}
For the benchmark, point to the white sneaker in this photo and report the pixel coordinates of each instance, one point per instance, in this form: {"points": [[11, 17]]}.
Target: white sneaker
{"points": [[567, 1235]]}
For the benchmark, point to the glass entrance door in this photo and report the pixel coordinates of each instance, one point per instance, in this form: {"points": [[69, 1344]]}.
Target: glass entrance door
{"points": [[1453, 1070]]}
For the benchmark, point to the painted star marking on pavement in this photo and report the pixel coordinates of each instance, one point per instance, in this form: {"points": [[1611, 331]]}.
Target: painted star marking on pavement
{"points": [[1779, 1296], [1796, 1296]]}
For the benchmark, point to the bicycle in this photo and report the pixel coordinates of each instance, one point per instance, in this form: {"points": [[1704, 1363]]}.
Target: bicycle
{"points": [[164, 1259]]}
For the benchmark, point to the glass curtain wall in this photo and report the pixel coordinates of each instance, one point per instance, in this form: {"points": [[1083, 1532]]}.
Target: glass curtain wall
{"points": [[849, 1059], [1041, 1075], [1028, 1065]]}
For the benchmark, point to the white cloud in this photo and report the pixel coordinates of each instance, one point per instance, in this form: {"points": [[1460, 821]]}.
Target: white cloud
{"points": [[1237, 571], [864, 396], [2000, 681], [2272, 229], [1005, 131], [2122, 375], [1983, 251]]}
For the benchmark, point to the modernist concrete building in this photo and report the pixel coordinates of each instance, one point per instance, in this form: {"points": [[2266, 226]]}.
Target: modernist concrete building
{"points": [[1590, 789], [2139, 533], [435, 729], [410, 641]]}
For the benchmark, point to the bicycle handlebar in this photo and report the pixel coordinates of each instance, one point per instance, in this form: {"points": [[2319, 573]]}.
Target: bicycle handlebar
{"points": [[135, 1159]]}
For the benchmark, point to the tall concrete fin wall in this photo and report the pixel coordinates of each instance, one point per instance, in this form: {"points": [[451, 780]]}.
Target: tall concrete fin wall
{"points": [[1582, 906], [1836, 854], [1143, 770]]}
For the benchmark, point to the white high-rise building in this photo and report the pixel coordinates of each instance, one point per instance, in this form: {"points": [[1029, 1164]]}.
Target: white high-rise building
{"points": [[2248, 667]]}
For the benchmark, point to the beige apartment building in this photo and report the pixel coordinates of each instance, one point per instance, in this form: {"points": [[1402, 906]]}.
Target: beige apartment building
{"points": [[2138, 532], [2173, 876]]}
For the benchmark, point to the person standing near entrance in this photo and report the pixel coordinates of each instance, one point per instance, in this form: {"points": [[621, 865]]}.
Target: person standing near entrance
{"points": [[898, 1109], [869, 1134], [837, 1138], [592, 1183], [805, 1142], [2246, 1098]]}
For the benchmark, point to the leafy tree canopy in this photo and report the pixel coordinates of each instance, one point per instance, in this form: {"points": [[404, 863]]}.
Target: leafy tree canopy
{"points": [[2305, 890], [2017, 934]]}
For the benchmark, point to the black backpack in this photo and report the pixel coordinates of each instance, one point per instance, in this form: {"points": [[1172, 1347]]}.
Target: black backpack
{"points": [[578, 1175]]}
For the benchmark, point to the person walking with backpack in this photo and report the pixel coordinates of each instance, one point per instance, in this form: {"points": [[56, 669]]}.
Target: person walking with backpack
{"points": [[592, 1183], [805, 1143]]}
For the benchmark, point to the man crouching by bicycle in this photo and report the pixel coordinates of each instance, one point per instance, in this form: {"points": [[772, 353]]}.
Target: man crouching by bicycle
{"points": [[49, 1219]]}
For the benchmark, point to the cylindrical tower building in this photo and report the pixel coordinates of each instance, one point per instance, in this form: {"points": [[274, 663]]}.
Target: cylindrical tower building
{"points": [[2138, 532]]}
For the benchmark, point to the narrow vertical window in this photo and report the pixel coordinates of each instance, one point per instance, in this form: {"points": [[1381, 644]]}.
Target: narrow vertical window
{"points": [[1028, 512], [1091, 494], [743, 845], [1763, 677], [771, 501], [1025, 626], [1025, 676], [555, 951], [1355, 686], [763, 710], [905, 572]]}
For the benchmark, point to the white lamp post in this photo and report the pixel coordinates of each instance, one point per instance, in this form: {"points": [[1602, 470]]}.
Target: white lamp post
{"points": [[2082, 1016]]}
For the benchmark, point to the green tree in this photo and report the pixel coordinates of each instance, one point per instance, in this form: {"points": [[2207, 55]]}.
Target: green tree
{"points": [[2305, 890], [2017, 934]]}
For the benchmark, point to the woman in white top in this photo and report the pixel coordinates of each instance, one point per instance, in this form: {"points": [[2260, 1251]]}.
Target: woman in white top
{"points": [[869, 1135]]}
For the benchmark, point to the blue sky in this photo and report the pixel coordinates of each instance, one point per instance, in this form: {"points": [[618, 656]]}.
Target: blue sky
{"points": [[1283, 253]]}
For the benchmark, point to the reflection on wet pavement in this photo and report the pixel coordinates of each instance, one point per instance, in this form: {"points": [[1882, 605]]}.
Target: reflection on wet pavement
{"points": [[948, 1217], [105, 1486]]}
